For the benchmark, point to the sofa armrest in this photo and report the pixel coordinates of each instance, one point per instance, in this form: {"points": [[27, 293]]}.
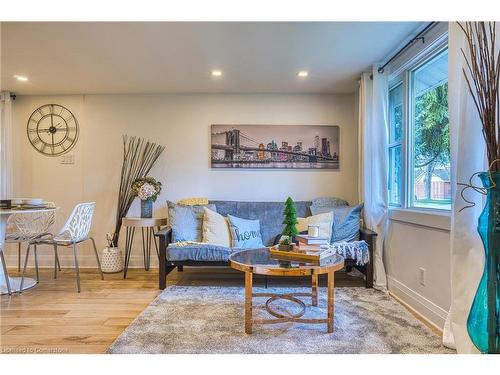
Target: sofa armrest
{"points": [[166, 233], [370, 237], [165, 236], [365, 233]]}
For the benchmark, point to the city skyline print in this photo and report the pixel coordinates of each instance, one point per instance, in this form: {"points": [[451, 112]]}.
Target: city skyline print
{"points": [[275, 146]]}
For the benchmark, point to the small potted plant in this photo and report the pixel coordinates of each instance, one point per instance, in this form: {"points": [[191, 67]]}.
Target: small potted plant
{"points": [[285, 243], [147, 189]]}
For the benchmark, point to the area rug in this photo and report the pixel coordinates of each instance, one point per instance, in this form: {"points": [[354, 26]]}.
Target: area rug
{"points": [[189, 319]]}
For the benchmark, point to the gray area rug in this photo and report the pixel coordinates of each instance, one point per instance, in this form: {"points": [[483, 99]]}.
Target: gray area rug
{"points": [[188, 319]]}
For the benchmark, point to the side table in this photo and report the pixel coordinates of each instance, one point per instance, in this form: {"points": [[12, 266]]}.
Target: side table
{"points": [[147, 226]]}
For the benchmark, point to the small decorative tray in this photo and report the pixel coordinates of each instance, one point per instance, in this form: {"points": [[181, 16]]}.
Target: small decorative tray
{"points": [[298, 254]]}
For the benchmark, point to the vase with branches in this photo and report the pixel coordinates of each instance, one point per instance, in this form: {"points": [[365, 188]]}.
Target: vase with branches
{"points": [[139, 156], [482, 73]]}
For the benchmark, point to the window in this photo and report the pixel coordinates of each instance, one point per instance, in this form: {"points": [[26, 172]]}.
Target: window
{"points": [[419, 135], [431, 135], [395, 137]]}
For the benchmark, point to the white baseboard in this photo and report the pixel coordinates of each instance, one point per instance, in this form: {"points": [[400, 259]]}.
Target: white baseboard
{"points": [[425, 308]]}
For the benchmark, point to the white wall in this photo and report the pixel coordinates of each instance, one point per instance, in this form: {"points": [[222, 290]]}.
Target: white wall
{"points": [[182, 124], [420, 240]]}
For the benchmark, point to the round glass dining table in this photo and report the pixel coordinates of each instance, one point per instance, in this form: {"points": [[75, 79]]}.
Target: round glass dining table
{"points": [[35, 230]]}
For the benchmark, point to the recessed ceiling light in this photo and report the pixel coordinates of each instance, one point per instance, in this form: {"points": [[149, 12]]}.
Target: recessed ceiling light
{"points": [[303, 73], [21, 78], [216, 73]]}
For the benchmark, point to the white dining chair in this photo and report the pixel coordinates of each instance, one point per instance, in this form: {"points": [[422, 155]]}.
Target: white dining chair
{"points": [[28, 227], [75, 231]]}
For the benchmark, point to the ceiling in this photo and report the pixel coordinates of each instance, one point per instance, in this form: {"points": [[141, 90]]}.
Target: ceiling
{"points": [[168, 57]]}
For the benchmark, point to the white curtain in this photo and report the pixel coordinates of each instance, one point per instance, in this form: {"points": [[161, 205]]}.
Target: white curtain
{"points": [[467, 157], [5, 145], [373, 138]]}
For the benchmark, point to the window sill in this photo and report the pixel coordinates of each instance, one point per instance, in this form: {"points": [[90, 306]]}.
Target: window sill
{"points": [[424, 218]]}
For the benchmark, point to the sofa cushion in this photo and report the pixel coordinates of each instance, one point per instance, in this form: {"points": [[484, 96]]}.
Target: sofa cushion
{"points": [[186, 221], [328, 202], [346, 222], [200, 252], [215, 228], [245, 234], [270, 214], [324, 221]]}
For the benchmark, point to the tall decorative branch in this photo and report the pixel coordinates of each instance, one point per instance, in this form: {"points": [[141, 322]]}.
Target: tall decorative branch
{"points": [[482, 74], [139, 156]]}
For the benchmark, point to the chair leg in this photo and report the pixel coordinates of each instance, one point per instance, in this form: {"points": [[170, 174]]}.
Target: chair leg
{"points": [[56, 261], [5, 273], [19, 257], [77, 270], [24, 269], [36, 265], [97, 258]]}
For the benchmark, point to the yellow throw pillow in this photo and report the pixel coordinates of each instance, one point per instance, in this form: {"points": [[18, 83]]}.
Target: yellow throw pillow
{"points": [[324, 221], [215, 228], [193, 201]]}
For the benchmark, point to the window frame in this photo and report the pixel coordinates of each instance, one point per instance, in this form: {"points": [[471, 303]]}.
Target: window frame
{"points": [[394, 84], [404, 76]]}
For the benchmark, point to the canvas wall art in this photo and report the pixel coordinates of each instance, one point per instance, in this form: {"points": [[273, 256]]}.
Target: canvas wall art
{"points": [[275, 146]]}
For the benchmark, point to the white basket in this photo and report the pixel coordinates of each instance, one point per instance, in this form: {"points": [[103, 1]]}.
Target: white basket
{"points": [[111, 260]]}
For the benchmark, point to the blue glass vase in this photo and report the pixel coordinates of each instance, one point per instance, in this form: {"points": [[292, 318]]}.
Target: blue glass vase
{"points": [[146, 209], [483, 324]]}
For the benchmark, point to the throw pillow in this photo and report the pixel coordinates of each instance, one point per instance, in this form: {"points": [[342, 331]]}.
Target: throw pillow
{"points": [[346, 222], [215, 228], [193, 201], [245, 233], [324, 221], [328, 202], [186, 221]]}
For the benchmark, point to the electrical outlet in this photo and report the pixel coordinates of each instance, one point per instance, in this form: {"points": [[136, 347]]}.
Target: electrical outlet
{"points": [[422, 276]]}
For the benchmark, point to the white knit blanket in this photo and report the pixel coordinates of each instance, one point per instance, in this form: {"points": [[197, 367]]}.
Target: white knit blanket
{"points": [[356, 250]]}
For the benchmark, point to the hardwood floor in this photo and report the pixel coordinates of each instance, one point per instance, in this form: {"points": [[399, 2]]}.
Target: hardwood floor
{"points": [[54, 318]]}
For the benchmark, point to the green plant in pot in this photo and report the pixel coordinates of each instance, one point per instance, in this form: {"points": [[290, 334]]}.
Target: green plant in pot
{"points": [[482, 75], [147, 189], [290, 229], [285, 243]]}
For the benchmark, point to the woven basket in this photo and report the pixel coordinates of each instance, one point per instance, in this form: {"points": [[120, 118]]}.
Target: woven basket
{"points": [[111, 260]]}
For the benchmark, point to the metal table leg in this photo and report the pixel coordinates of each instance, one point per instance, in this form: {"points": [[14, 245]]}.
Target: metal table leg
{"points": [[129, 239]]}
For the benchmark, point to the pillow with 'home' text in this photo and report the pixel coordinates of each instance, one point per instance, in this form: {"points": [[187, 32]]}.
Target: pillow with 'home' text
{"points": [[245, 233]]}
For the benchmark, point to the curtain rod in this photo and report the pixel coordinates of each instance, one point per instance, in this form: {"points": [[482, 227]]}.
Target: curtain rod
{"points": [[417, 37]]}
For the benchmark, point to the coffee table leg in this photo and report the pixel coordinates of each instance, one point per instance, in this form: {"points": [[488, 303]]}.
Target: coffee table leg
{"points": [[331, 278], [314, 289], [248, 302]]}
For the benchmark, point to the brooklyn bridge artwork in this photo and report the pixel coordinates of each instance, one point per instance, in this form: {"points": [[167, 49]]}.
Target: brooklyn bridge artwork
{"points": [[275, 146]]}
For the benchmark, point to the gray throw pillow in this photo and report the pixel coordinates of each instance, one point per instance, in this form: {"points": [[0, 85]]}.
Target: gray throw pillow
{"points": [[186, 221], [328, 202], [346, 221]]}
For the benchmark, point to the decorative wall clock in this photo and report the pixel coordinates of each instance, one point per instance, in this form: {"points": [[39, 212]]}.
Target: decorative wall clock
{"points": [[52, 129]]}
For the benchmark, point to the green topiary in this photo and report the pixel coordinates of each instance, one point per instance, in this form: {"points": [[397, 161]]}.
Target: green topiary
{"points": [[290, 219]]}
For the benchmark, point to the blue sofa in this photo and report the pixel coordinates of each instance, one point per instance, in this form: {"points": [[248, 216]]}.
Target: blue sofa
{"points": [[270, 215]]}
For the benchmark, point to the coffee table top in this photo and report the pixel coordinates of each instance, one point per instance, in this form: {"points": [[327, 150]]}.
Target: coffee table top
{"points": [[259, 261]]}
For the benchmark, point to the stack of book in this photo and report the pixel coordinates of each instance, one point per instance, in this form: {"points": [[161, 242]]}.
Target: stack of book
{"points": [[305, 239]]}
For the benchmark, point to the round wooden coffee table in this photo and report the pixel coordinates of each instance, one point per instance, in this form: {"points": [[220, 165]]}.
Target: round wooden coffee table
{"points": [[260, 262]]}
